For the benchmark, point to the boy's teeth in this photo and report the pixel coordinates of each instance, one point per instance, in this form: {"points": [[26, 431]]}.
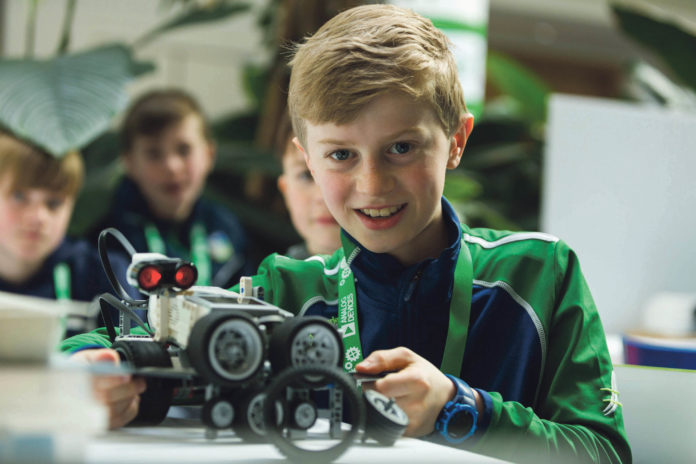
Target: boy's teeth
{"points": [[383, 212]]}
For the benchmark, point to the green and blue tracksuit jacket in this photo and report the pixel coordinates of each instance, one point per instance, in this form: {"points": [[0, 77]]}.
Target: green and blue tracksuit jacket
{"points": [[535, 349]]}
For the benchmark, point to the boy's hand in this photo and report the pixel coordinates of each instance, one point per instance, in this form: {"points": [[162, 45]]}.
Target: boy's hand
{"points": [[420, 389], [119, 393]]}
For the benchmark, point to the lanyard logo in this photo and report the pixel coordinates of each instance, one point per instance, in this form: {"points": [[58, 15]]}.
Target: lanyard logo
{"points": [[347, 318]]}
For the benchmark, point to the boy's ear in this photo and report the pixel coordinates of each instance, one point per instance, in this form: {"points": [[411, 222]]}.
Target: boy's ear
{"points": [[458, 140], [282, 183], [127, 161], [297, 144], [212, 154], [296, 141]]}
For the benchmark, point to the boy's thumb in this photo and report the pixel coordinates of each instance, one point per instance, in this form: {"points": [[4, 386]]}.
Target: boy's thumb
{"points": [[105, 355]]}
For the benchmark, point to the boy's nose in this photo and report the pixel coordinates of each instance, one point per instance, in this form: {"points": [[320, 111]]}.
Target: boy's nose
{"points": [[173, 162], [374, 178], [37, 213]]}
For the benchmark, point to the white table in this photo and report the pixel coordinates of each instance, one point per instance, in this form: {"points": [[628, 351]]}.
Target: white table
{"points": [[183, 441]]}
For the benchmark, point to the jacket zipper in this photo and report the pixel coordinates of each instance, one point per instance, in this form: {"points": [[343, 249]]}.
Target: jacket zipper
{"points": [[412, 286]]}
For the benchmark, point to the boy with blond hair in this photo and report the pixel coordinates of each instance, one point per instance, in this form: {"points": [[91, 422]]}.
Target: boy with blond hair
{"points": [[490, 340], [37, 195]]}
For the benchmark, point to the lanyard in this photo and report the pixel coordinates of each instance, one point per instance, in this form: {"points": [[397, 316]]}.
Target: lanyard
{"points": [[199, 249], [61, 281], [459, 310]]}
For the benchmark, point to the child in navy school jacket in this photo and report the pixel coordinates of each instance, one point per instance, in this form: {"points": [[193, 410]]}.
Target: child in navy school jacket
{"points": [[167, 152], [37, 195]]}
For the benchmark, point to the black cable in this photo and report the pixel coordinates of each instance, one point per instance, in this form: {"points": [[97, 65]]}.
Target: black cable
{"points": [[122, 307], [108, 323], [106, 263]]}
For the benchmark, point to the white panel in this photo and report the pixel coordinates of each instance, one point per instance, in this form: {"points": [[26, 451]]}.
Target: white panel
{"points": [[619, 188], [658, 410]]}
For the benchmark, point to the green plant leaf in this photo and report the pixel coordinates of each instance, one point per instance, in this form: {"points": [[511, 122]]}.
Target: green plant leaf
{"points": [[518, 83], [674, 44], [61, 104], [196, 15], [496, 157], [460, 187]]}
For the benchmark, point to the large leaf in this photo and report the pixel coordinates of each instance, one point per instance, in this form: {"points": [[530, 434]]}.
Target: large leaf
{"points": [[196, 15], [520, 84], [675, 44], [61, 104]]}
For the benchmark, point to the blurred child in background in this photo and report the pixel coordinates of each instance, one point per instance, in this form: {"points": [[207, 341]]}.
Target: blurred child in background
{"points": [[308, 212], [37, 195], [167, 151]]}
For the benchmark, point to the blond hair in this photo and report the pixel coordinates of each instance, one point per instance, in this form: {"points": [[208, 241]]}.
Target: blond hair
{"points": [[31, 167], [367, 51]]}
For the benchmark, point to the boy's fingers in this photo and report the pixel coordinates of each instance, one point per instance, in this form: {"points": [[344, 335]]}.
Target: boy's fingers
{"points": [[123, 412], [107, 382], [119, 408], [396, 385], [386, 360], [112, 392], [104, 355]]}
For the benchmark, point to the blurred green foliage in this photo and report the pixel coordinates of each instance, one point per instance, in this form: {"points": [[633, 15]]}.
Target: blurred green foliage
{"points": [[672, 41], [497, 184], [64, 102], [502, 161]]}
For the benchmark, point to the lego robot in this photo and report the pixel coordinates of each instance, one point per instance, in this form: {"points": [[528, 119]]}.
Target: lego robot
{"points": [[253, 367]]}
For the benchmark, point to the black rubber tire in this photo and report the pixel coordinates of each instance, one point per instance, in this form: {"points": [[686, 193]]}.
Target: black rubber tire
{"points": [[199, 342], [215, 410], [157, 398], [385, 422], [285, 346], [249, 422], [295, 377], [311, 414]]}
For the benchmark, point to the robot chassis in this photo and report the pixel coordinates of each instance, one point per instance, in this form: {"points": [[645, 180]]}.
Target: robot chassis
{"points": [[254, 367]]}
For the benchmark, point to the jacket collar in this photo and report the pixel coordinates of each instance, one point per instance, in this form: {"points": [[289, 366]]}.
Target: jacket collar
{"points": [[383, 265]]}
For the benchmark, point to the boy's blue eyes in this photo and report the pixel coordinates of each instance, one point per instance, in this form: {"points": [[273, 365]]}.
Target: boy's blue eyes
{"points": [[153, 155], [183, 149], [340, 155], [18, 195], [305, 176], [157, 154], [52, 203], [398, 148], [55, 203]]}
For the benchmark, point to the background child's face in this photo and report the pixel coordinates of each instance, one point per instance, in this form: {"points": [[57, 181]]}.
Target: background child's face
{"points": [[33, 222], [170, 168], [382, 175], [307, 208]]}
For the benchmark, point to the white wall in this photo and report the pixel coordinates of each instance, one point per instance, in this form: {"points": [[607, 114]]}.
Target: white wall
{"points": [[619, 188], [206, 59]]}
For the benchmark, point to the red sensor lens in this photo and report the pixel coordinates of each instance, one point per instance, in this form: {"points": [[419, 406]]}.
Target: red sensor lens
{"points": [[149, 277], [185, 276]]}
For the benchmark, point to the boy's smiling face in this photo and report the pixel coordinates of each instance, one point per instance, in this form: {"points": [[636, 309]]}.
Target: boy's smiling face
{"points": [[171, 167], [382, 174], [33, 222]]}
